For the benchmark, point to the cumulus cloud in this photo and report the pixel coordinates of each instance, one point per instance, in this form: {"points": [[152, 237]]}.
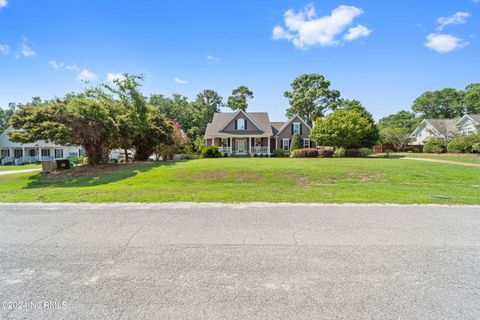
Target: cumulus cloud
{"points": [[55, 65], [212, 58], [444, 43], [86, 75], [26, 51], [180, 81], [305, 29], [357, 32], [456, 18], [111, 77], [3, 3], [4, 48]]}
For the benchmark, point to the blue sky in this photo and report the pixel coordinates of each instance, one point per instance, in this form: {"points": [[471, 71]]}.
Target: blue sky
{"points": [[384, 53]]}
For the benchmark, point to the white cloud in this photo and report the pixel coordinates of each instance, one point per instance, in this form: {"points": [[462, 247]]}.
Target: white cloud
{"points": [[55, 65], [305, 29], [26, 51], [180, 81], [444, 43], [457, 18], [72, 67], [357, 32], [111, 77], [212, 58], [4, 48], [86, 75], [3, 3]]}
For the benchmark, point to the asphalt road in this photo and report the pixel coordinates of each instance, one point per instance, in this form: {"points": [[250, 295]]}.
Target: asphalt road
{"points": [[183, 261]]}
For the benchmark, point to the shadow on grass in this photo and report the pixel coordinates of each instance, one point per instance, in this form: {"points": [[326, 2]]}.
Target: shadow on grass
{"points": [[92, 176]]}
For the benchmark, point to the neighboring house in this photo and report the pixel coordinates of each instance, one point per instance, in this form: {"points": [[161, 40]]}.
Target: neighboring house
{"points": [[249, 133], [445, 128], [18, 153]]}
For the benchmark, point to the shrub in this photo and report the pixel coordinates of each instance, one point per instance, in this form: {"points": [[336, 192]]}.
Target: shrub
{"points": [[279, 153], [365, 152], [297, 142], [352, 153], [325, 153], [296, 153], [210, 152], [340, 152], [309, 153], [463, 143], [435, 145], [476, 147]]}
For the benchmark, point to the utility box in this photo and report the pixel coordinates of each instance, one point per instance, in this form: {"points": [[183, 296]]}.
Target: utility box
{"points": [[63, 164], [49, 165]]}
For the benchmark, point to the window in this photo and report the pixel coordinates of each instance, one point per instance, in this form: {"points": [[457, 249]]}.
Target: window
{"points": [[241, 124], [17, 153], [31, 152], [58, 153], [258, 142], [306, 143], [5, 153], [224, 142], [286, 144], [45, 152], [81, 152], [296, 127]]}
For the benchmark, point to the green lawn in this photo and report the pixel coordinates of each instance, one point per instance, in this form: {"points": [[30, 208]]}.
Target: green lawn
{"points": [[468, 158], [21, 167], [245, 180]]}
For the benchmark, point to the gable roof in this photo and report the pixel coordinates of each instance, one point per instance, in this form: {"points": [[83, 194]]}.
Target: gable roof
{"points": [[474, 117], [444, 126], [222, 119], [285, 125], [276, 127]]}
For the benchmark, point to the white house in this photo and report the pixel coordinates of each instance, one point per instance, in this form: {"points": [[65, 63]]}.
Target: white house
{"points": [[445, 128], [18, 153]]}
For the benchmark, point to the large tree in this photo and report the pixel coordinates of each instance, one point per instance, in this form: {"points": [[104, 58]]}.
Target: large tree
{"points": [[402, 120], [239, 98], [398, 137], [441, 104], [310, 97], [205, 105], [5, 115], [472, 98], [343, 128], [177, 109], [356, 105]]}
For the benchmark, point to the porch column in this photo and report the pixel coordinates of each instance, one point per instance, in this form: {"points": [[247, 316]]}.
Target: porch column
{"points": [[39, 154], [268, 151], [276, 143], [231, 145], [250, 145], [23, 153]]}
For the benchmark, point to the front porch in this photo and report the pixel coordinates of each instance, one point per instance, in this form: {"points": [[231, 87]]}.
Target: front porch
{"points": [[241, 146], [17, 156]]}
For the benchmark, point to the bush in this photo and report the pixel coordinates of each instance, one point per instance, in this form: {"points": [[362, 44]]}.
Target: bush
{"points": [[352, 153], [476, 147], [210, 152], [365, 152], [297, 142], [340, 152], [296, 153], [463, 143], [279, 153], [309, 153], [436, 145], [325, 153]]}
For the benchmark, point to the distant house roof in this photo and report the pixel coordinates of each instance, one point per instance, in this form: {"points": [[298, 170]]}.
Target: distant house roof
{"points": [[445, 127], [221, 119], [276, 126], [474, 117]]}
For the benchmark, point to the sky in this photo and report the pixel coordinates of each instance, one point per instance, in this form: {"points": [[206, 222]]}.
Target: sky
{"points": [[383, 53]]}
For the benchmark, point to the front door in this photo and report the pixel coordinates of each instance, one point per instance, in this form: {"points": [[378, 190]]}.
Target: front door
{"points": [[241, 146]]}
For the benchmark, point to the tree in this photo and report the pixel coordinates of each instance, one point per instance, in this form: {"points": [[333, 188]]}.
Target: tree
{"points": [[206, 104], [297, 142], [472, 99], [177, 109], [238, 99], [310, 97], [441, 104], [5, 115], [401, 120], [398, 137], [355, 105], [342, 128]]}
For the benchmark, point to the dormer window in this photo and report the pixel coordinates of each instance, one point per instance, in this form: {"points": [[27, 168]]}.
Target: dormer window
{"points": [[296, 127], [241, 124]]}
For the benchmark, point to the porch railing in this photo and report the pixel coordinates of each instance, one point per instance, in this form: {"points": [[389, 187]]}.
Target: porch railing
{"points": [[262, 150], [6, 160], [225, 149]]}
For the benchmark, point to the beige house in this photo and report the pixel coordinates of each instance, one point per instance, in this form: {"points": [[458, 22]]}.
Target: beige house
{"points": [[250, 133]]}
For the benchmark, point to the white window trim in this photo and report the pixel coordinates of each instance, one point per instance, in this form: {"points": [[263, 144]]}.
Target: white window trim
{"points": [[299, 127], [238, 126], [287, 145], [305, 140]]}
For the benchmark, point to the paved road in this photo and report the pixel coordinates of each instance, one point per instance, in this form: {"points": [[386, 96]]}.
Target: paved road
{"points": [[239, 262]]}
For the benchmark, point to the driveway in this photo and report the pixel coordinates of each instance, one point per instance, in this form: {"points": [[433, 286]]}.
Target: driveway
{"points": [[18, 171], [212, 261]]}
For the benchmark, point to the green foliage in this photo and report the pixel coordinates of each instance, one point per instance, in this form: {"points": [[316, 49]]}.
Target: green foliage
{"points": [[441, 104], [463, 143], [210, 152], [472, 98], [476, 147], [279, 153], [297, 153], [355, 105], [435, 145], [401, 120], [5, 115], [365, 152], [398, 137], [238, 99], [297, 142], [310, 97], [343, 128], [340, 152]]}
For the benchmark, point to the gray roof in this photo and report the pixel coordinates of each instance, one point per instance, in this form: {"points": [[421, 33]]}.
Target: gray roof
{"points": [[475, 117], [276, 127], [444, 126], [220, 119]]}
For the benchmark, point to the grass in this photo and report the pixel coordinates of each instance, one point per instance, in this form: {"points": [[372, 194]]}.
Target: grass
{"points": [[245, 180], [468, 158], [20, 167]]}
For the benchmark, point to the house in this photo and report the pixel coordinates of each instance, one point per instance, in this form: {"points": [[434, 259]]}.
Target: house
{"points": [[19, 153], [445, 128], [250, 133]]}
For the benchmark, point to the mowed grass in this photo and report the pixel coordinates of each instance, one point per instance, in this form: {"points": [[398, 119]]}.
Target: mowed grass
{"points": [[468, 158], [256, 179], [21, 167]]}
